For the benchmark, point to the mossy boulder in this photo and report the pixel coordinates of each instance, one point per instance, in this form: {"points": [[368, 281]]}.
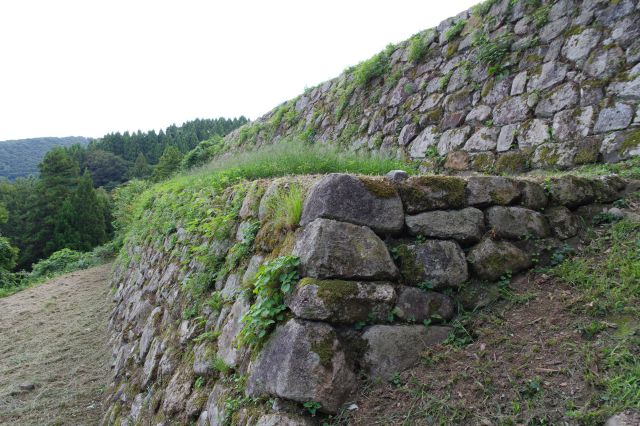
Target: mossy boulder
{"points": [[303, 361], [332, 249], [488, 190], [340, 301], [571, 191], [416, 305], [491, 259], [516, 223], [512, 162], [372, 202], [423, 193], [439, 263]]}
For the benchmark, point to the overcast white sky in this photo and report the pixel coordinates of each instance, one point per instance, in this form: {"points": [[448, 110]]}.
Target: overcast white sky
{"points": [[87, 67]]}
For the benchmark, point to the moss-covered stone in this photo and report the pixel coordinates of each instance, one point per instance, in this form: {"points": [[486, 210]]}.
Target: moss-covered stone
{"points": [[422, 193], [483, 162], [331, 291], [512, 162], [378, 187], [631, 141], [324, 349]]}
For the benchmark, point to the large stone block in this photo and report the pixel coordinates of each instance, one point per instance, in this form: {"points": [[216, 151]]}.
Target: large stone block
{"points": [[303, 361], [562, 97], [513, 110], [417, 305], [341, 301], [423, 193], [487, 190], [563, 223], [516, 222], [571, 191], [228, 349], [491, 259], [394, 348], [465, 226], [359, 200], [439, 263], [616, 117], [332, 249]]}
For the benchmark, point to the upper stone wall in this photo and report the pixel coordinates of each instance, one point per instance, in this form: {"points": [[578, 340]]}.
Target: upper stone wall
{"points": [[507, 86]]}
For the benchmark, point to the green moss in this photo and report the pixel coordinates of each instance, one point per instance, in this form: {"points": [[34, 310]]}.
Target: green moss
{"points": [[575, 30], [632, 140], [452, 48], [324, 350], [444, 80], [409, 269], [434, 116], [452, 187], [547, 156], [332, 291], [512, 162], [483, 162], [379, 187], [487, 87], [454, 30], [586, 154]]}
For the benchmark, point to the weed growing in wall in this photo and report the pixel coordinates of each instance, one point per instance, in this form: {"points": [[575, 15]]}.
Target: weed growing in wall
{"points": [[454, 30], [273, 281]]}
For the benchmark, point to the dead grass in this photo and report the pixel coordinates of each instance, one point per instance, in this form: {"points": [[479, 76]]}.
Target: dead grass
{"points": [[54, 336]]}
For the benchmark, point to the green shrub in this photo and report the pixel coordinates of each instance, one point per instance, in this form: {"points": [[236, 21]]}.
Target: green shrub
{"points": [[482, 9], [419, 46], [493, 52], [61, 262], [374, 67], [273, 281], [455, 29]]}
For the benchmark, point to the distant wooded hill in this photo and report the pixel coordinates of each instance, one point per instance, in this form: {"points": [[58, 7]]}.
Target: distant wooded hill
{"points": [[21, 157]]}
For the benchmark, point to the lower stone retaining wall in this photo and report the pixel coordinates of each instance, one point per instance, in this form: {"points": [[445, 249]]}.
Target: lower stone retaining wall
{"points": [[382, 262]]}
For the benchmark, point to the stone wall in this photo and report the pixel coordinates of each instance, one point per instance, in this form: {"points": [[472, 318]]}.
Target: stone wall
{"points": [[383, 265], [506, 87]]}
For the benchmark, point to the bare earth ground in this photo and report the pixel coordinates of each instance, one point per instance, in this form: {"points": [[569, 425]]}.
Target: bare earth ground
{"points": [[53, 336]]}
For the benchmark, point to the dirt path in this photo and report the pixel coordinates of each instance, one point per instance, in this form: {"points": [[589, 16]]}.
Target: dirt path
{"points": [[53, 337]]}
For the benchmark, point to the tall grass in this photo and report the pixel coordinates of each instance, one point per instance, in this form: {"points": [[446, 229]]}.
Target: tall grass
{"points": [[298, 158]]}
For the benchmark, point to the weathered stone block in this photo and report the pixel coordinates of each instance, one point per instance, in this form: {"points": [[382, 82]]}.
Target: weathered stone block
{"points": [[562, 97], [513, 110], [465, 226], [487, 190], [438, 262], [423, 193], [417, 305], [303, 361], [617, 117], [571, 191], [484, 139], [533, 195], [332, 249], [490, 259], [563, 223], [516, 222], [359, 200], [341, 301], [227, 346], [394, 348]]}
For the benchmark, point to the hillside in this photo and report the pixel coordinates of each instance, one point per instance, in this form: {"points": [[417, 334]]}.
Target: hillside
{"points": [[20, 158]]}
